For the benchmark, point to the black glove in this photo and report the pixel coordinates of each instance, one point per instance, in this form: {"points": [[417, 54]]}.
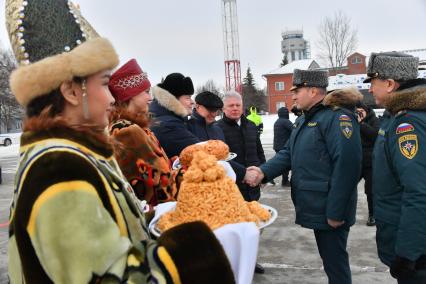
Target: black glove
{"points": [[402, 267], [197, 253]]}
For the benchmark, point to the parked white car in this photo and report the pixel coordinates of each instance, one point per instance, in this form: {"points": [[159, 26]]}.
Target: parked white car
{"points": [[5, 140]]}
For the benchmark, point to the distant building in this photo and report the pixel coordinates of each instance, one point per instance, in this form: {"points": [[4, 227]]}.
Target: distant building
{"points": [[294, 46], [356, 64], [280, 81], [356, 81]]}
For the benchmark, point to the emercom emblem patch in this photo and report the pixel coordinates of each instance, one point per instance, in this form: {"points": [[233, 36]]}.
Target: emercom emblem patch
{"points": [[346, 128], [408, 145]]}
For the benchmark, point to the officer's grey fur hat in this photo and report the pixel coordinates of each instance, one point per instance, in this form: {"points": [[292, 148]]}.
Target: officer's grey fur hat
{"points": [[392, 65], [309, 78]]}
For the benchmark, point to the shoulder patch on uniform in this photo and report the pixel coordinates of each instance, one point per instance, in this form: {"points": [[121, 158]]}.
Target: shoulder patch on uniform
{"points": [[382, 132], [344, 117], [346, 128], [404, 128], [312, 124], [408, 145]]}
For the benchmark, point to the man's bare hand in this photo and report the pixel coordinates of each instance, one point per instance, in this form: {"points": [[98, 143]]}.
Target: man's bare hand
{"points": [[253, 176], [335, 224]]}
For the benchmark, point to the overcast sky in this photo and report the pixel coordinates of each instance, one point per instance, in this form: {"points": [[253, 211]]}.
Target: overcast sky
{"points": [[185, 36]]}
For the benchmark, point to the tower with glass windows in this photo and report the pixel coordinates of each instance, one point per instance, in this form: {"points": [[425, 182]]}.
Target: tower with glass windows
{"points": [[294, 46]]}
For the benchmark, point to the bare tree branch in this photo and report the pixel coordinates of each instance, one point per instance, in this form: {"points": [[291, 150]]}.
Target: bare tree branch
{"points": [[210, 86], [337, 39], [9, 107]]}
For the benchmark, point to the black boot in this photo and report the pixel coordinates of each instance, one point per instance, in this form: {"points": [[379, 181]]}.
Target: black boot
{"points": [[259, 269]]}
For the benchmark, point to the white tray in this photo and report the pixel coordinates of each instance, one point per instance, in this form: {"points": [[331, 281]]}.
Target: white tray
{"points": [[154, 230], [176, 164]]}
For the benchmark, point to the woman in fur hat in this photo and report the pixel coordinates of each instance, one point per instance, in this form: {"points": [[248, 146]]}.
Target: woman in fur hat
{"points": [[74, 218], [140, 156]]}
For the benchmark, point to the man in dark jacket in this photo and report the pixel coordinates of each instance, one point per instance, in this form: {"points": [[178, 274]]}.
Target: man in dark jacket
{"points": [[399, 163], [171, 106], [369, 126], [202, 122], [242, 137], [324, 154], [282, 131]]}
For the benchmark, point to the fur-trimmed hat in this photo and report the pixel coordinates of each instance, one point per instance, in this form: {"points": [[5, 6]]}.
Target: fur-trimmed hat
{"points": [[392, 65], [209, 100], [53, 43], [178, 85], [309, 78], [128, 81]]}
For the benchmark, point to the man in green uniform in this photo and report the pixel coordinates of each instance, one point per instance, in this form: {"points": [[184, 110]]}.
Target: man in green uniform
{"points": [[399, 165], [324, 154]]}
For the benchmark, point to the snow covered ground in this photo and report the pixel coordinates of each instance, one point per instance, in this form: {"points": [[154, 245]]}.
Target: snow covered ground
{"points": [[267, 136]]}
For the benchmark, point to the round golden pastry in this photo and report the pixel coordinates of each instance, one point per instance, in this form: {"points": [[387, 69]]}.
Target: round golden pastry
{"points": [[208, 194], [216, 148]]}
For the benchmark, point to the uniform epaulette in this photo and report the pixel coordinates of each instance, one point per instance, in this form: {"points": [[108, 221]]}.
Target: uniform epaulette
{"points": [[401, 113]]}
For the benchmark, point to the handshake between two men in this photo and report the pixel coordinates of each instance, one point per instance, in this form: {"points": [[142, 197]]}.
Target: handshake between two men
{"points": [[254, 176]]}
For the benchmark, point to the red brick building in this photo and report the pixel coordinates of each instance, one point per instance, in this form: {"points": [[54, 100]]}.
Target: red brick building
{"points": [[356, 65], [280, 80]]}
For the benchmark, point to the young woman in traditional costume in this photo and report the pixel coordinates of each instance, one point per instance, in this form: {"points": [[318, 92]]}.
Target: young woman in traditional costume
{"points": [[74, 218], [139, 154]]}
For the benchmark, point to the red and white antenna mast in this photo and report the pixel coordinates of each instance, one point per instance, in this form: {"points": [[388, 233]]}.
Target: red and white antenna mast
{"points": [[231, 45]]}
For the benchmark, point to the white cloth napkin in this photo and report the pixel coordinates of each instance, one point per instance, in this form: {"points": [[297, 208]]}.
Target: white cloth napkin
{"points": [[228, 169], [240, 242]]}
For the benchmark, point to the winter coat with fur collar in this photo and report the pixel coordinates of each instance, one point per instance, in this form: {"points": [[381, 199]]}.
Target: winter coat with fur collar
{"points": [[169, 124], [399, 180], [141, 158]]}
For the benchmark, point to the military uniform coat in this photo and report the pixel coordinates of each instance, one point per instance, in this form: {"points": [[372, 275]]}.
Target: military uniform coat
{"points": [[324, 154], [399, 177]]}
